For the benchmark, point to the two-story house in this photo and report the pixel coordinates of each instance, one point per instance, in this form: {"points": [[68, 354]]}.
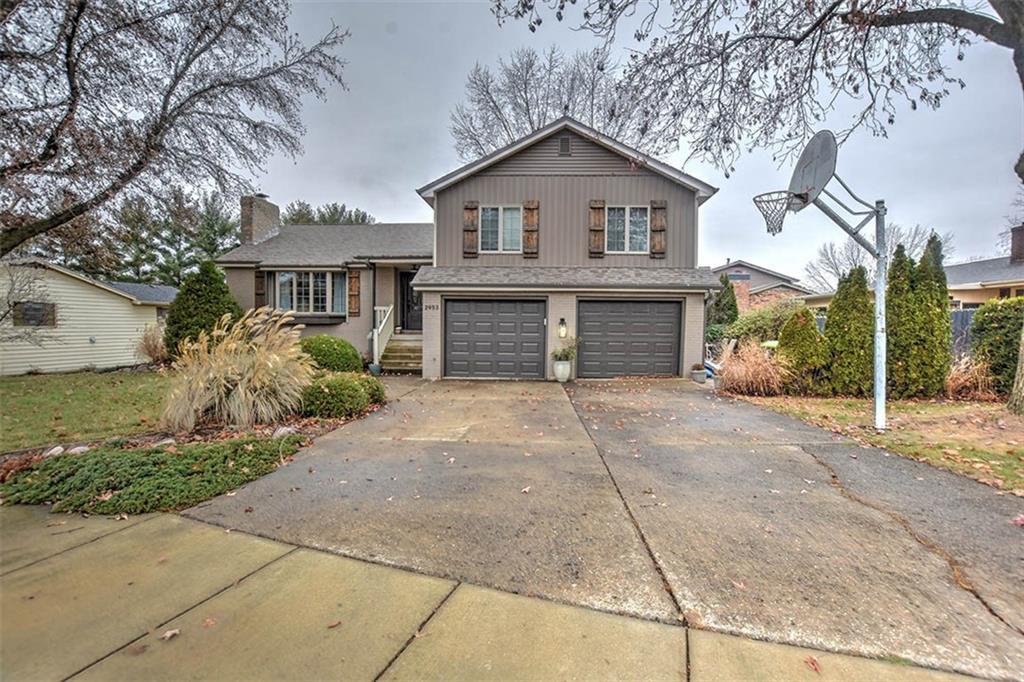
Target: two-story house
{"points": [[565, 233]]}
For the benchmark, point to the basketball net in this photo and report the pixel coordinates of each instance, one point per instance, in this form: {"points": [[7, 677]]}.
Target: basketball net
{"points": [[773, 206]]}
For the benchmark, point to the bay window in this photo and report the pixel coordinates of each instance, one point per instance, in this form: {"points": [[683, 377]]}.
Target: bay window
{"points": [[311, 292]]}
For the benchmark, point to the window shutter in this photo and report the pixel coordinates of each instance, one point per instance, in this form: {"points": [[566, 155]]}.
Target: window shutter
{"points": [[596, 228], [260, 289], [470, 226], [531, 228], [49, 314], [659, 223], [353, 293]]}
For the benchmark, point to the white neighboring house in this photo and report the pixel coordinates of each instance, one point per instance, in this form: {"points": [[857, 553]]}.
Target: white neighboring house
{"points": [[58, 320]]}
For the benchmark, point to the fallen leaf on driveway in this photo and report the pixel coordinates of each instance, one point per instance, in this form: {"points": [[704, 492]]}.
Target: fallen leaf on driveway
{"points": [[333, 625], [451, 460], [248, 510], [812, 663], [526, 489], [1019, 521], [209, 622], [170, 634]]}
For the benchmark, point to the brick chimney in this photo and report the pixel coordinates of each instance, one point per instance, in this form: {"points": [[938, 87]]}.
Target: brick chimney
{"points": [[1017, 244], [260, 219]]}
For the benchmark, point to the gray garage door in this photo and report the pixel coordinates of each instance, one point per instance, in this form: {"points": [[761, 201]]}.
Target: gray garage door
{"points": [[622, 338], [494, 338]]}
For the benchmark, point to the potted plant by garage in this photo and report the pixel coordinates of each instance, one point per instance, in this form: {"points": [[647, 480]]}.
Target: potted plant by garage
{"points": [[698, 373], [563, 358]]}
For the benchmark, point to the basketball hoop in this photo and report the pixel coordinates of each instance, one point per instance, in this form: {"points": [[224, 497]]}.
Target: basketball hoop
{"points": [[773, 206]]}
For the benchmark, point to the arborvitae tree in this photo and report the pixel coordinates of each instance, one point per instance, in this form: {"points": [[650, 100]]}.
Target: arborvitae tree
{"points": [[203, 298], [176, 239], [936, 335], [803, 352], [723, 308], [903, 328], [848, 335]]}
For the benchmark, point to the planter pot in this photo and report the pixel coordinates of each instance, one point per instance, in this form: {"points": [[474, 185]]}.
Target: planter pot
{"points": [[563, 368], [375, 369], [699, 375]]}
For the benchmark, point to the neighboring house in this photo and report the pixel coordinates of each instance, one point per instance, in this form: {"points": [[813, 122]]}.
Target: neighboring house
{"points": [[972, 283], [60, 321], [757, 286], [564, 233]]}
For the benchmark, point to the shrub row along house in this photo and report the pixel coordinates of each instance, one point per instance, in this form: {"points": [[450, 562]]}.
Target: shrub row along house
{"points": [[56, 320], [565, 233]]}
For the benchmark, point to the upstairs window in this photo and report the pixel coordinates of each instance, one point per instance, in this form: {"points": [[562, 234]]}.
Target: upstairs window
{"points": [[311, 292], [627, 229], [501, 229]]}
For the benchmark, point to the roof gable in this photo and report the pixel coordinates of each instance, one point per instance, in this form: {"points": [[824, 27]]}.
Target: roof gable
{"points": [[632, 159], [747, 264]]}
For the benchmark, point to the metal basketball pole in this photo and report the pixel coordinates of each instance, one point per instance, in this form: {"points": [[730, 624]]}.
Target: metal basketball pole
{"points": [[879, 250]]}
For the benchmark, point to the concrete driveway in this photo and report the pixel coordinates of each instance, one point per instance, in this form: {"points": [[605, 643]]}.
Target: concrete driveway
{"points": [[658, 500]]}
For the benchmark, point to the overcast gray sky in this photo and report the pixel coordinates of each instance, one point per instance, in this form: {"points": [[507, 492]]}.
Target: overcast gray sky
{"points": [[372, 145]]}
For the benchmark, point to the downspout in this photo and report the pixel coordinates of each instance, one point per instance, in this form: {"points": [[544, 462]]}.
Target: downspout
{"points": [[373, 303]]}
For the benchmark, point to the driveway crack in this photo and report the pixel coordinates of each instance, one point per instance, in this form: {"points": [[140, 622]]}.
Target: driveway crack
{"points": [[680, 614], [959, 575]]}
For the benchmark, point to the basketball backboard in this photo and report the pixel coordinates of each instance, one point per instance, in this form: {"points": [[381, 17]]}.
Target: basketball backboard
{"points": [[813, 171]]}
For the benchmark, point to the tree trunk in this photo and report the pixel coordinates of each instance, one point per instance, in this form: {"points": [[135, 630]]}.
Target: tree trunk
{"points": [[1016, 404], [1018, 63]]}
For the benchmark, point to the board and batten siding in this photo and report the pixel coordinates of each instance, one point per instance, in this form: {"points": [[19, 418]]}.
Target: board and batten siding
{"points": [[95, 328], [564, 217]]}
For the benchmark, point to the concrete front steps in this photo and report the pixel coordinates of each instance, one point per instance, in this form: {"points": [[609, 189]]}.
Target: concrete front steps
{"points": [[404, 353]]}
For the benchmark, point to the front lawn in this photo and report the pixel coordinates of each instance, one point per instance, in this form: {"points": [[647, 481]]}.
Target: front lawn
{"points": [[43, 409], [109, 480], [980, 440]]}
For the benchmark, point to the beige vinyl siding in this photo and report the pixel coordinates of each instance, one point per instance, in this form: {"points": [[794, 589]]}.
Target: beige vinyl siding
{"points": [[564, 217], [242, 283], [95, 329], [542, 158]]}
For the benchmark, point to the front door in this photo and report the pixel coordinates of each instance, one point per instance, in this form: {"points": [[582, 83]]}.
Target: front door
{"points": [[412, 303]]}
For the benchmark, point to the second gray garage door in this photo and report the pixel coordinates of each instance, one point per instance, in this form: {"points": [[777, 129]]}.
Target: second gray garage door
{"points": [[629, 338], [494, 338]]}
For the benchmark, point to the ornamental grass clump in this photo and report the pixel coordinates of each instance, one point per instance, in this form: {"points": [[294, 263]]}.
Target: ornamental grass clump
{"points": [[752, 371], [242, 373], [970, 379]]}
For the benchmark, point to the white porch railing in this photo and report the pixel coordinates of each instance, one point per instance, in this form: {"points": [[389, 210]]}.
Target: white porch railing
{"points": [[383, 329]]}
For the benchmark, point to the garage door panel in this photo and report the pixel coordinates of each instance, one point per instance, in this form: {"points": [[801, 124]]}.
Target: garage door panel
{"points": [[495, 338], [624, 337]]}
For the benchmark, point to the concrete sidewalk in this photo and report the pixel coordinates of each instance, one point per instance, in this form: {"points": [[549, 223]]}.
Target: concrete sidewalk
{"points": [[94, 598]]}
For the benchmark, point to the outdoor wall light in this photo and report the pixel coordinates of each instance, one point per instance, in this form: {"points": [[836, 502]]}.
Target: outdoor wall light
{"points": [[563, 329]]}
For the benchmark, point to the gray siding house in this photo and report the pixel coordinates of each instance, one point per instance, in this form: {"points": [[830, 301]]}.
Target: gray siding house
{"points": [[566, 233]]}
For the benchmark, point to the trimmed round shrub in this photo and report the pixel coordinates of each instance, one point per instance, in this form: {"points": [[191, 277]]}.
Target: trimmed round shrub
{"points": [[332, 353], [334, 395], [802, 351], [763, 324], [373, 386], [203, 299], [995, 339]]}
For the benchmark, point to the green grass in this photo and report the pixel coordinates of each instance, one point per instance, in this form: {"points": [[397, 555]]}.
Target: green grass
{"points": [[65, 408], [108, 480], [977, 439]]}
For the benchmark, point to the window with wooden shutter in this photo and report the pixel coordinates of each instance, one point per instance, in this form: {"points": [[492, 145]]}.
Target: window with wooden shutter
{"points": [[470, 225], [659, 228], [353, 293], [597, 218], [531, 228]]}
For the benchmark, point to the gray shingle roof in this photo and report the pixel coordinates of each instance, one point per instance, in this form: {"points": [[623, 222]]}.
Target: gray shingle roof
{"points": [[990, 270], [542, 277], [331, 245], [146, 293]]}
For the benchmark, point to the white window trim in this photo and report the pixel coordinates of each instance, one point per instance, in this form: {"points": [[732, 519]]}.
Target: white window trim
{"points": [[627, 252], [330, 292], [501, 229]]}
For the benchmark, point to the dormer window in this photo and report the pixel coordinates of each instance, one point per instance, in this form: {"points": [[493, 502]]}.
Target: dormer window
{"points": [[565, 146]]}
